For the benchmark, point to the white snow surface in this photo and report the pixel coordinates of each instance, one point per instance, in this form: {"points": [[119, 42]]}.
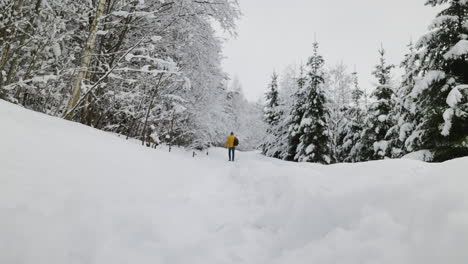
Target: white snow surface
{"points": [[73, 194]]}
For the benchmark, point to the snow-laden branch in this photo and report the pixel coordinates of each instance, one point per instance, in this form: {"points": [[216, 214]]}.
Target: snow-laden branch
{"points": [[455, 96], [424, 83], [42, 79], [80, 101], [458, 50]]}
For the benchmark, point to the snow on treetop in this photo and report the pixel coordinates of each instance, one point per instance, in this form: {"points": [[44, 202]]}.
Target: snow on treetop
{"points": [[460, 49], [440, 20]]}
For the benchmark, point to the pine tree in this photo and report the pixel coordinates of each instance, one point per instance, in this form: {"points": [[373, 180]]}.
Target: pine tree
{"points": [[272, 117], [297, 111], [310, 139], [357, 93], [441, 94], [373, 142], [272, 114], [402, 115]]}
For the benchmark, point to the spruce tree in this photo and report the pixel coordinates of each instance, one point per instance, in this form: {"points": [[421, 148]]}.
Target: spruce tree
{"points": [[441, 94], [403, 115], [296, 114], [373, 141], [272, 117], [272, 113], [310, 139]]}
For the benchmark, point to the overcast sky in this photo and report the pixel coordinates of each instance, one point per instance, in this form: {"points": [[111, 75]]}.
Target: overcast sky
{"points": [[276, 33]]}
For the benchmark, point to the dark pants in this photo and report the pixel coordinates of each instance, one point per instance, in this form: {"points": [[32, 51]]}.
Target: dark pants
{"points": [[231, 153]]}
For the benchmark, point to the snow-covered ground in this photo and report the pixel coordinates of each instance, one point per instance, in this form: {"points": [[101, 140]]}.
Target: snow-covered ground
{"points": [[72, 194]]}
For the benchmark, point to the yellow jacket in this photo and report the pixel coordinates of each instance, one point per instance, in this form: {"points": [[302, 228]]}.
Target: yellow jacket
{"points": [[230, 142]]}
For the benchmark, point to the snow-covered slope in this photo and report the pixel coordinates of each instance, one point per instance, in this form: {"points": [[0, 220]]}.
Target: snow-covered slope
{"points": [[72, 194]]}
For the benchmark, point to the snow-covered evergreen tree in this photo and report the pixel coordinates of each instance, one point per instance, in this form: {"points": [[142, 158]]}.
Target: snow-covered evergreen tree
{"points": [[373, 143], [295, 115], [272, 113], [309, 134], [288, 88], [272, 116], [441, 92], [403, 118], [352, 125]]}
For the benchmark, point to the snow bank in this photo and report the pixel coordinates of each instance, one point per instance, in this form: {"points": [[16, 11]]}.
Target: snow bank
{"points": [[422, 155], [72, 194]]}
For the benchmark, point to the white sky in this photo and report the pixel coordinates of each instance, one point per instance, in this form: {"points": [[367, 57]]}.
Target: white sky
{"points": [[276, 33]]}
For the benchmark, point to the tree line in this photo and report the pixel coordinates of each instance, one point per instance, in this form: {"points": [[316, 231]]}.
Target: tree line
{"points": [[146, 69], [315, 115]]}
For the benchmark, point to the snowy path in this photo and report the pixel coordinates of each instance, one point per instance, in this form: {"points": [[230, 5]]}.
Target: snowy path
{"points": [[72, 194]]}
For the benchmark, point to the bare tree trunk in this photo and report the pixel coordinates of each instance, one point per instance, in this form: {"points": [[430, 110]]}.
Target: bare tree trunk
{"points": [[86, 56], [69, 113]]}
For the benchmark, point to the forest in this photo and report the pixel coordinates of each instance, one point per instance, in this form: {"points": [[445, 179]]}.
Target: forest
{"points": [[321, 114], [151, 70]]}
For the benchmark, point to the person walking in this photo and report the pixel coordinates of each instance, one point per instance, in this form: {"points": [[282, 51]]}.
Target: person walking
{"points": [[231, 144]]}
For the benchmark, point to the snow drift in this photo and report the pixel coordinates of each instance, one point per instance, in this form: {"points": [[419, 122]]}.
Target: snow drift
{"points": [[72, 194]]}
